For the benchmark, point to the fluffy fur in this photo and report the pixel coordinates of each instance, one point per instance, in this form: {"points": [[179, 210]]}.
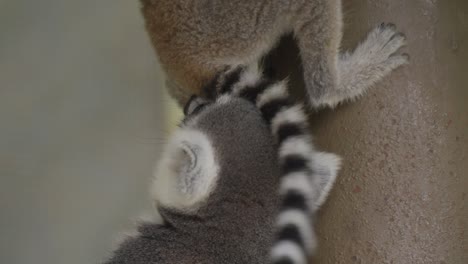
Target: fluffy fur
{"points": [[196, 39], [231, 219], [190, 167], [239, 182], [306, 175]]}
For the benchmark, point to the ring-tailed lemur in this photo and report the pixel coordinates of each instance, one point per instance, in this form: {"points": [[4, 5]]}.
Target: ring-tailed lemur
{"points": [[196, 39], [239, 181]]}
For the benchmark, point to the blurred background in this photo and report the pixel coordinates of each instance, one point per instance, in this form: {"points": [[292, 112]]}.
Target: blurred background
{"points": [[80, 127]]}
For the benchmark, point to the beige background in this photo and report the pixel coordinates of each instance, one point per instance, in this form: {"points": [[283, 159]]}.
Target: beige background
{"points": [[80, 127]]}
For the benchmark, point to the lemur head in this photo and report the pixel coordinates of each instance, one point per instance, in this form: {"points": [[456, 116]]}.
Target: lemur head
{"points": [[216, 136], [240, 166]]}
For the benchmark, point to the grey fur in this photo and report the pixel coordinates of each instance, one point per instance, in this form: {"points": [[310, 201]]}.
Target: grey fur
{"points": [[196, 39], [260, 193], [235, 224]]}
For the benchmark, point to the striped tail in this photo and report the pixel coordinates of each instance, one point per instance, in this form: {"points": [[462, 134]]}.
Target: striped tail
{"points": [[307, 175]]}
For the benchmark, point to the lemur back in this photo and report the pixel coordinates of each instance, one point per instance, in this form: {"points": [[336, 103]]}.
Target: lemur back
{"points": [[196, 39], [214, 190], [239, 182]]}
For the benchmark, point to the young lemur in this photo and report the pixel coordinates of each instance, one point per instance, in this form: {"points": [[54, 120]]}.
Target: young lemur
{"points": [[239, 182], [196, 39]]}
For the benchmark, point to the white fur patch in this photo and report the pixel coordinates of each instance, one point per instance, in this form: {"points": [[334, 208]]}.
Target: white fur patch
{"points": [[224, 99], [294, 114], [302, 222], [326, 167], [298, 145], [275, 91], [250, 76], [187, 172], [289, 249]]}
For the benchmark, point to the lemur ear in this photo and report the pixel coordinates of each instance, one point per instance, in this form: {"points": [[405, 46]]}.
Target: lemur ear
{"points": [[187, 172], [186, 158]]}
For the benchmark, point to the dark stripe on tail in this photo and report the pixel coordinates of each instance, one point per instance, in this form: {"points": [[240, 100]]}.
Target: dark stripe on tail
{"points": [[229, 81], [290, 232], [288, 130], [294, 163], [251, 93], [294, 200], [270, 109]]}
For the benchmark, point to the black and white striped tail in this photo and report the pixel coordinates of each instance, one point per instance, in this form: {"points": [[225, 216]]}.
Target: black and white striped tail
{"points": [[307, 175]]}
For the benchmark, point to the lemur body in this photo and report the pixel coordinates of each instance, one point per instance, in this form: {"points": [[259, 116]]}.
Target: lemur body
{"points": [[239, 182], [196, 39]]}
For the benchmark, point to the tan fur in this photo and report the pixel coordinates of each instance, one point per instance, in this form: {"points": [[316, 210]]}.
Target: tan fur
{"points": [[195, 39]]}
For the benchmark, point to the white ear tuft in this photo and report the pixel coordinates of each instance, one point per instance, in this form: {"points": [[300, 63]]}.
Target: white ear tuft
{"points": [[187, 172]]}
